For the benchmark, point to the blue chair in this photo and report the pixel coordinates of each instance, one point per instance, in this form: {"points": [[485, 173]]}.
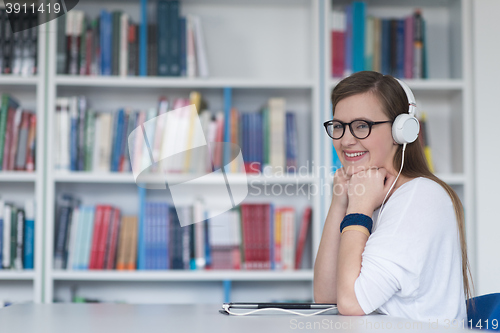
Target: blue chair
{"points": [[485, 312]]}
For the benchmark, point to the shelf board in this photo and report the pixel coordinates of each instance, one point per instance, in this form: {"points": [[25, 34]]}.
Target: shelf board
{"points": [[452, 178], [181, 275], [422, 85], [18, 80], [17, 176], [17, 275], [180, 82], [128, 178]]}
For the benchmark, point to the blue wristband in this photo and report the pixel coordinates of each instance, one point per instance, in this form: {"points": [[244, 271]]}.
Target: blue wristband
{"points": [[357, 219]]}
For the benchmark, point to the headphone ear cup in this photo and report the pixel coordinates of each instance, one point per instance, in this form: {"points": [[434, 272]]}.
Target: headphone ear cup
{"points": [[405, 128]]}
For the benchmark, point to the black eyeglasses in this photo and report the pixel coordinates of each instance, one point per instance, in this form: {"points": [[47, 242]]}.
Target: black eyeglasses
{"points": [[360, 129]]}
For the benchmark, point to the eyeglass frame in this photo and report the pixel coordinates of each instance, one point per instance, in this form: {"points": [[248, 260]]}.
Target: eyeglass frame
{"points": [[370, 125]]}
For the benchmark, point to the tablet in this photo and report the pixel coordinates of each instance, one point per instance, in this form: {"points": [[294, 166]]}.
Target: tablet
{"points": [[279, 308]]}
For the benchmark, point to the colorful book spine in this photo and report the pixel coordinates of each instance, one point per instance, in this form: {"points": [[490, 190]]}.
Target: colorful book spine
{"points": [[29, 235], [358, 35]]}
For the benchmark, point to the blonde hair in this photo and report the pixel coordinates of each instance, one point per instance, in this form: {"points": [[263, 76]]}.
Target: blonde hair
{"points": [[394, 102]]}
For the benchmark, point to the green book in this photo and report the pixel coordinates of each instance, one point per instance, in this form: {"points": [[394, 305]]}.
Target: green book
{"points": [[6, 103], [89, 138], [13, 237]]}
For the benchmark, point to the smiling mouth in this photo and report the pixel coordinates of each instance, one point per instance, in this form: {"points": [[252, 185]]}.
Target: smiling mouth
{"points": [[355, 154]]}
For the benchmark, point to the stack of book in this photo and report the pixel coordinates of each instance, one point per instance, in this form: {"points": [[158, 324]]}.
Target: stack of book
{"points": [[253, 236], [87, 140], [17, 235], [111, 44], [394, 46], [18, 51], [17, 136]]}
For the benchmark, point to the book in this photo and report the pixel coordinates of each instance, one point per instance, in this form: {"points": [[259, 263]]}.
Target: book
{"points": [[163, 38], [338, 30], [358, 35], [29, 235], [7, 223], [174, 47], [304, 229], [65, 203]]}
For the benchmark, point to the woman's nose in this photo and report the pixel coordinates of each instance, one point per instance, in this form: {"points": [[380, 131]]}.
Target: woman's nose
{"points": [[347, 139]]}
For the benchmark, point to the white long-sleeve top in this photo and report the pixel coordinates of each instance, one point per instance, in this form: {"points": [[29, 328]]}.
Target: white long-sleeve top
{"points": [[412, 263]]}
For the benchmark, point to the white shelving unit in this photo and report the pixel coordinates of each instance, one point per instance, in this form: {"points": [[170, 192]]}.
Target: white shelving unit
{"points": [[260, 49], [239, 36], [19, 286]]}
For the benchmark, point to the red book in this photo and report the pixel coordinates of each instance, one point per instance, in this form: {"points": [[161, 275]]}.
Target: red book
{"points": [[16, 124], [103, 236], [113, 237], [246, 235], [265, 237], [99, 215], [408, 63], [304, 227], [8, 138], [338, 53], [19, 159]]}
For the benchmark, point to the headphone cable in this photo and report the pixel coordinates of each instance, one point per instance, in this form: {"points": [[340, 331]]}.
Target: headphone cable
{"points": [[400, 169]]}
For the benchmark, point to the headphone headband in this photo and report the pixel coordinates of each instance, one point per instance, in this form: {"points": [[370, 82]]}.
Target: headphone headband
{"points": [[412, 104]]}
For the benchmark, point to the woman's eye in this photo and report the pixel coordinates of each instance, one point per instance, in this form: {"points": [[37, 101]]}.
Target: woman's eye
{"points": [[337, 127]]}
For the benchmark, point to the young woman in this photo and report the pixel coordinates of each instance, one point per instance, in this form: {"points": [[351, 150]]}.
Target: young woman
{"points": [[410, 261]]}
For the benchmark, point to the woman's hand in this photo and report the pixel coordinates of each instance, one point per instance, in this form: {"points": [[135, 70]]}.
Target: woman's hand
{"points": [[340, 188], [367, 189]]}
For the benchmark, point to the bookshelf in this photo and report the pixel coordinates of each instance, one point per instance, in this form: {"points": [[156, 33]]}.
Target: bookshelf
{"points": [[17, 186], [259, 49], [233, 64]]}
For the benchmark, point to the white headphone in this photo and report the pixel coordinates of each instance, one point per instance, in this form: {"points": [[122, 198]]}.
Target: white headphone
{"points": [[406, 127]]}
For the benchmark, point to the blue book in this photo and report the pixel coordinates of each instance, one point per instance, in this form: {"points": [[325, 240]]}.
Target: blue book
{"points": [[106, 34], [148, 239], [90, 214], [291, 142], [358, 36], [385, 48], [174, 45], [208, 252], [243, 129], [183, 46], [141, 245], [74, 141], [176, 261], [143, 39], [400, 48], [29, 242], [163, 38], [259, 139], [117, 140], [348, 40], [165, 262]]}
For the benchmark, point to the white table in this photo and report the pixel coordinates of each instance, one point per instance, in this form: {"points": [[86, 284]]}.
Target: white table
{"points": [[124, 318]]}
